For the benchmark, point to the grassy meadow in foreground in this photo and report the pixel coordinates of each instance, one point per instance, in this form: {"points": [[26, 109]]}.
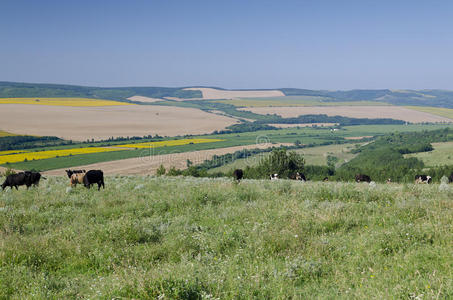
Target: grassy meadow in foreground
{"points": [[186, 238]]}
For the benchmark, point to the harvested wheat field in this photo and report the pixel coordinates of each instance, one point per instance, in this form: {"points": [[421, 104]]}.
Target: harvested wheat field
{"points": [[82, 123], [144, 99], [210, 93], [392, 112], [148, 164], [62, 101]]}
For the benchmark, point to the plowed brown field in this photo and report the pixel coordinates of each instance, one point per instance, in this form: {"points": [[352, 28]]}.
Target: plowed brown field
{"points": [[393, 112]]}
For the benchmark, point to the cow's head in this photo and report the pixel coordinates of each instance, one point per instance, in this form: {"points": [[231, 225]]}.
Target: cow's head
{"points": [[69, 173]]}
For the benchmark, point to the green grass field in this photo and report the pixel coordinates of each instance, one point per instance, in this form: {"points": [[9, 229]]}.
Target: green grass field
{"points": [[175, 238], [312, 156], [318, 155], [441, 155]]}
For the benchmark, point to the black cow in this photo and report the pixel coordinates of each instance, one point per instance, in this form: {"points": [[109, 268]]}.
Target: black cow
{"points": [[362, 178], [450, 178], [423, 179], [33, 177], [27, 178], [238, 174], [92, 177], [70, 172]]}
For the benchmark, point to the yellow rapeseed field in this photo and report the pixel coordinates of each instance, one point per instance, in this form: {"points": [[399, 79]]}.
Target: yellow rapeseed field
{"points": [[62, 101], [170, 143], [12, 158]]}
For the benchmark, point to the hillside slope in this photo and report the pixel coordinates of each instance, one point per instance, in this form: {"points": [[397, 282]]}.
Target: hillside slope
{"points": [[17, 89], [145, 237]]}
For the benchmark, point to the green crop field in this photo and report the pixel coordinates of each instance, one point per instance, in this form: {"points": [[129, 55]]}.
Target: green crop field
{"points": [[318, 155], [186, 238], [441, 155]]}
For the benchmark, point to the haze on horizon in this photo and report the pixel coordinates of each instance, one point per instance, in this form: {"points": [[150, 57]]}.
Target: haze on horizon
{"points": [[335, 45]]}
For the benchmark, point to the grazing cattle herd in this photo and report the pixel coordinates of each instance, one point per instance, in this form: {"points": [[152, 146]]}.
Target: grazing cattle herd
{"points": [[358, 177], [88, 178], [29, 178]]}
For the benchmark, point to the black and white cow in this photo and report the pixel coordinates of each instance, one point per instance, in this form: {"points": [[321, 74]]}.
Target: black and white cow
{"points": [[274, 176], [423, 179]]}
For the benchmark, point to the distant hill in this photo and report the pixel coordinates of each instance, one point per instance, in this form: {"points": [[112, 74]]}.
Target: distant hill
{"points": [[16, 89], [435, 98]]}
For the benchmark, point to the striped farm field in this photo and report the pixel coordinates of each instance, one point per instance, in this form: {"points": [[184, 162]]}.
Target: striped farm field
{"points": [[63, 101], [19, 157], [170, 143]]}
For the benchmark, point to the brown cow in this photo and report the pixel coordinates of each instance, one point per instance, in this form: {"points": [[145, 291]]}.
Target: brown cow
{"points": [[77, 178]]}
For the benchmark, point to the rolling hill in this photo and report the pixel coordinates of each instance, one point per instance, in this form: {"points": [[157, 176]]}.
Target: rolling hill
{"points": [[433, 98]]}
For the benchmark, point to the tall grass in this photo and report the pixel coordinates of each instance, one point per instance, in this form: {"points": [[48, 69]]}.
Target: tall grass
{"points": [[186, 238]]}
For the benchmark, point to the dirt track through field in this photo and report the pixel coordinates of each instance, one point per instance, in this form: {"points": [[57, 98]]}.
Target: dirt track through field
{"points": [[144, 99], [393, 112], [82, 123], [210, 93], [148, 164]]}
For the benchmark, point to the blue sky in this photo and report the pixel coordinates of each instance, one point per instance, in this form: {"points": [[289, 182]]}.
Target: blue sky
{"points": [[231, 44]]}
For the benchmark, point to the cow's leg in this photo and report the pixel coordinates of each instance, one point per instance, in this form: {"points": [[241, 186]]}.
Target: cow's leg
{"points": [[16, 188]]}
